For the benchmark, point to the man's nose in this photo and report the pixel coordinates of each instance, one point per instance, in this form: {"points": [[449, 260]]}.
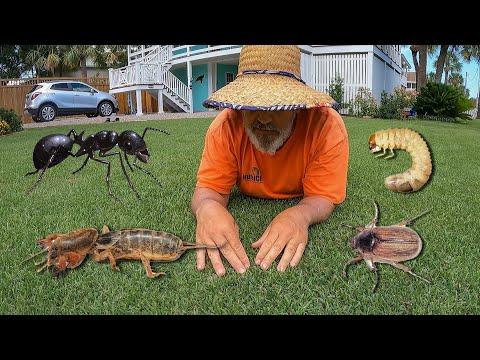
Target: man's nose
{"points": [[264, 118]]}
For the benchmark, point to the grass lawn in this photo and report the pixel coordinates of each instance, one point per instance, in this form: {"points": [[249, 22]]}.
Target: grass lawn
{"points": [[64, 202]]}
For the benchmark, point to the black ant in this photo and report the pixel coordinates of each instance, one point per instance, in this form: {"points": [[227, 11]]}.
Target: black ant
{"points": [[53, 149]]}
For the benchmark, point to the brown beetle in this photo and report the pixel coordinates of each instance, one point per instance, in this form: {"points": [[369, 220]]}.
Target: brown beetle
{"points": [[386, 244]]}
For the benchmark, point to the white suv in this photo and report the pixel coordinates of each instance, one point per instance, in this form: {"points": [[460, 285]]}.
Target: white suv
{"points": [[47, 100]]}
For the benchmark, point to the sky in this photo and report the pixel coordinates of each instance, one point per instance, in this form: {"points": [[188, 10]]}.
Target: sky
{"points": [[469, 71]]}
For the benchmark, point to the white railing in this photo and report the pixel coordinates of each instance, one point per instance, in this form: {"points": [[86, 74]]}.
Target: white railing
{"points": [[393, 52], [135, 74], [159, 55], [174, 84], [122, 76], [182, 51]]}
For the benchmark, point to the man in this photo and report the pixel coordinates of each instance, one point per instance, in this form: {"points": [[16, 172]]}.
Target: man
{"points": [[276, 138]]}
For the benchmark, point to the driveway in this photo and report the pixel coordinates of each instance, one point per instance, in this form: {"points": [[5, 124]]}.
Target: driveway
{"points": [[121, 118]]}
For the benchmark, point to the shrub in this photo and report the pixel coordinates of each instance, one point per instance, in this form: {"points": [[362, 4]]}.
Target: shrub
{"points": [[393, 105], [364, 103], [12, 118], [336, 90], [4, 127], [440, 100]]}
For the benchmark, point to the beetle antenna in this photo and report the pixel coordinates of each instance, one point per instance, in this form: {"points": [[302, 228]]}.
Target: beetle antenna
{"points": [[409, 222]]}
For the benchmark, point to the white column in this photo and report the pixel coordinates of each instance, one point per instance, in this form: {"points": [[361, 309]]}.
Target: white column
{"points": [[160, 101], [139, 102], [370, 70], [190, 85], [212, 79]]}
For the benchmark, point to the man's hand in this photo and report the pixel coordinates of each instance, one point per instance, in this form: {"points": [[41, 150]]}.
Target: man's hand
{"points": [[288, 232], [216, 226]]}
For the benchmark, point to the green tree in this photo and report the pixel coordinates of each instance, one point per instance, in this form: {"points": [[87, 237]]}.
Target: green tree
{"points": [[76, 56], [46, 57], [469, 53], [11, 65]]}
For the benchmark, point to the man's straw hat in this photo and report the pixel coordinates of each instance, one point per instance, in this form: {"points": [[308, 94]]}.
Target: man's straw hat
{"points": [[268, 79]]}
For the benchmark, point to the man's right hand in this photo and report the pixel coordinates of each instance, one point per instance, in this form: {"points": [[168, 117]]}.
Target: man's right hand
{"points": [[216, 226]]}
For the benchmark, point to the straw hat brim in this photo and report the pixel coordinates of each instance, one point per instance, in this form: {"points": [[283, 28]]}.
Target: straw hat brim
{"points": [[268, 92]]}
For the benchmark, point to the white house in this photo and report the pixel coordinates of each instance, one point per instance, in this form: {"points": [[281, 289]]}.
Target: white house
{"points": [[180, 77]]}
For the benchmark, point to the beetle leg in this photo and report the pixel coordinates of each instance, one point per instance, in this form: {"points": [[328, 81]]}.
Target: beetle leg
{"points": [[406, 269], [377, 279], [351, 261]]}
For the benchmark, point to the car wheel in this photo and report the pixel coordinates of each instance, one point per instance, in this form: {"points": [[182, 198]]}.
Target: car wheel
{"points": [[47, 112], [105, 108]]}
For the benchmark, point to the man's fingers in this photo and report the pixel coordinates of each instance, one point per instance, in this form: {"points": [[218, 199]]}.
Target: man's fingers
{"points": [[259, 242], [267, 243], [298, 254], [217, 264], [275, 250], [234, 255], [288, 255], [201, 259]]}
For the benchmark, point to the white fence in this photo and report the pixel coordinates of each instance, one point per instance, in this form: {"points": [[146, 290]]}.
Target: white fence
{"points": [[472, 113], [351, 67]]}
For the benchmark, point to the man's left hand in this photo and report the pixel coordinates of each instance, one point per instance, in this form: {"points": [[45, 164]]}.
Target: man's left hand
{"points": [[288, 232]]}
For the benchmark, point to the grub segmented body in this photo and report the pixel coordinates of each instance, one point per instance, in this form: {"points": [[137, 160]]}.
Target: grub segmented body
{"points": [[418, 174]]}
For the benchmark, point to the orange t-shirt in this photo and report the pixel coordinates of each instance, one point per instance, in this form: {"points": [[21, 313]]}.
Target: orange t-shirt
{"points": [[313, 161]]}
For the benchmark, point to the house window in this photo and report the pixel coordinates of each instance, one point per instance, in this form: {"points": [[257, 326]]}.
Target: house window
{"points": [[229, 77]]}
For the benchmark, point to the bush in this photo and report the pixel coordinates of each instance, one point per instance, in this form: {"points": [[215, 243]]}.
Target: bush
{"points": [[4, 127], [442, 101], [13, 120], [336, 90], [364, 103], [393, 105]]}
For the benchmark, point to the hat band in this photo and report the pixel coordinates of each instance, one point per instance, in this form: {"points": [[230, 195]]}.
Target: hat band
{"points": [[274, 72]]}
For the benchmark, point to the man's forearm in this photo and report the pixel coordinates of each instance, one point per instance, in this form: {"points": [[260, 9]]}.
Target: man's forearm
{"points": [[316, 209], [203, 195]]}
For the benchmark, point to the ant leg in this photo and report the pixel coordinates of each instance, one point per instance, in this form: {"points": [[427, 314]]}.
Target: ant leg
{"points": [[145, 171], [128, 162], [33, 172], [107, 177], [123, 168], [150, 128], [43, 169], [83, 165]]}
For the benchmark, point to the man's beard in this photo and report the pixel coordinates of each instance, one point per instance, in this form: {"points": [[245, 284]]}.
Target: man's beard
{"points": [[269, 143]]}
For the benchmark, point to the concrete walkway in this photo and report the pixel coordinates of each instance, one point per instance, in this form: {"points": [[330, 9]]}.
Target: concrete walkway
{"points": [[122, 118]]}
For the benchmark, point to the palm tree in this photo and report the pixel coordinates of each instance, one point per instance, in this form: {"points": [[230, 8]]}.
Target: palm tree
{"points": [[77, 55], [420, 64], [452, 64], [46, 57], [469, 53]]}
